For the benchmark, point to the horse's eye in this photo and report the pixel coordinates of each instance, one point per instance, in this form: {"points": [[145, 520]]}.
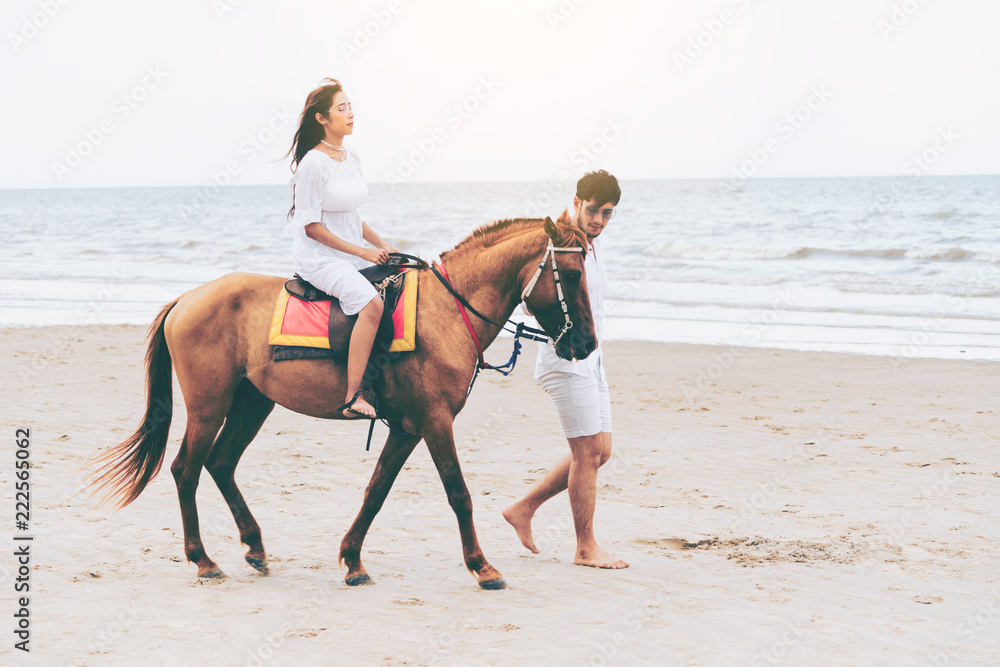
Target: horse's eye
{"points": [[572, 276]]}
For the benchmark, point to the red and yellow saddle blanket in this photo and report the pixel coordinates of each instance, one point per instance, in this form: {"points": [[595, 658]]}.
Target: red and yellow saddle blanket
{"points": [[306, 323]]}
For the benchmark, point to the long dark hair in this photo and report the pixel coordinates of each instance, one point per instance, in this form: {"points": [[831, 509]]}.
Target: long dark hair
{"points": [[310, 131]]}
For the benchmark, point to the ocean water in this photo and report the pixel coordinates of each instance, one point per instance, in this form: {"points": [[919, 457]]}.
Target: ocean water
{"points": [[904, 267]]}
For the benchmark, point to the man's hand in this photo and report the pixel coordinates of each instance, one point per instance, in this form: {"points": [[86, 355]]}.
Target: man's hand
{"points": [[388, 248]]}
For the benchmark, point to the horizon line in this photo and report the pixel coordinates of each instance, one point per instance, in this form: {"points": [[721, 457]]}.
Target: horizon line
{"points": [[485, 182]]}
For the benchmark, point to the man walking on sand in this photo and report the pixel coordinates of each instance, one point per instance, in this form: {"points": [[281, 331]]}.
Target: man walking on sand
{"points": [[580, 392]]}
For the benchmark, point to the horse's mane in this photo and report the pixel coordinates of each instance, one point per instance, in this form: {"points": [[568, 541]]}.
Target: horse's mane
{"points": [[490, 234]]}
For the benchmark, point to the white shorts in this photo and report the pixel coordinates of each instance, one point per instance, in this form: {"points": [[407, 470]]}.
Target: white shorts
{"points": [[341, 280], [583, 403]]}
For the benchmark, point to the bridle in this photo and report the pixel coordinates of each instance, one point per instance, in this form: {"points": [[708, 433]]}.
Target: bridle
{"points": [[521, 330], [550, 251]]}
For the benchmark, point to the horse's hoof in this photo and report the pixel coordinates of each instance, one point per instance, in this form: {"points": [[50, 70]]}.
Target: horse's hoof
{"points": [[212, 576], [359, 580], [259, 564], [493, 584]]}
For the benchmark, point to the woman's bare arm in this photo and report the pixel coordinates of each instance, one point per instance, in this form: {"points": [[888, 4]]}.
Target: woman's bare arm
{"points": [[318, 232], [369, 235]]}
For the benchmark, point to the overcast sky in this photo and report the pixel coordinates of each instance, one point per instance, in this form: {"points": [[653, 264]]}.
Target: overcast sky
{"points": [[112, 93]]}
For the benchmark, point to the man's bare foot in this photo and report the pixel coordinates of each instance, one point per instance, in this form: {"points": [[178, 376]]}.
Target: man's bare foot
{"points": [[521, 520], [598, 557], [360, 408]]}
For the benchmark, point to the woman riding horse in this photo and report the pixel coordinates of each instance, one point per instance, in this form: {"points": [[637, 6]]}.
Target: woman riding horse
{"points": [[328, 232]]}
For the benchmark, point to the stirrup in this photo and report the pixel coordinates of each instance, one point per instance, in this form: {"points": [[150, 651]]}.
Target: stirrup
{"points": [[374, 404], [354, 399]]}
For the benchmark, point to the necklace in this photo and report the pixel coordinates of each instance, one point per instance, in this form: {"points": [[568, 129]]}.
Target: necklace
{"points": [[336, 148]]}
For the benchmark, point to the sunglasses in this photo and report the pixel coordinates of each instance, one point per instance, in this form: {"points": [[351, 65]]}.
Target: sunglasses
{"points": [[606, 213]]}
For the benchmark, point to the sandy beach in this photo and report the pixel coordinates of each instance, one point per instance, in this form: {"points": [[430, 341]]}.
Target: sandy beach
{"points": [[777, 508]]}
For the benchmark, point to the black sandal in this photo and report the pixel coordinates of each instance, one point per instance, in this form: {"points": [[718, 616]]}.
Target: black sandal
{"points": [[346, 407]]}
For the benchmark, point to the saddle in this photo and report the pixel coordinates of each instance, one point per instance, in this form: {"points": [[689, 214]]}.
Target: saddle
{"points": [[389, 279], [303, 289]]}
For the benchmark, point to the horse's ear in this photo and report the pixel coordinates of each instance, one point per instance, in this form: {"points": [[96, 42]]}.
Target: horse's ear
{"points": [[551, 229]]}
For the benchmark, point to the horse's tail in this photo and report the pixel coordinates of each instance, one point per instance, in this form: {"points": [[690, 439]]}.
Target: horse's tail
{"points": [[127, 468]]}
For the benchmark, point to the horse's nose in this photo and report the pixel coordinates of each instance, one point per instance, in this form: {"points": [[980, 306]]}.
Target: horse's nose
{"points": [[583, 346]]}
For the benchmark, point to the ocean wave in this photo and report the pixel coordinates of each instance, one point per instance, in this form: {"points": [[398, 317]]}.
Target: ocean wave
{"points": [[942, 254], [686, 250], [942, 215], [914, 289], [689, 250]]}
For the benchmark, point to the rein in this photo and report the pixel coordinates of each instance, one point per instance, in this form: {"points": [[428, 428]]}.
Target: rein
{"points": [[462, 302], [464, 307], [521, 331]]}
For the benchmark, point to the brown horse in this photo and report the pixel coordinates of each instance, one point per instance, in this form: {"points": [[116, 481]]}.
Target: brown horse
{"points": [[215, 338]]}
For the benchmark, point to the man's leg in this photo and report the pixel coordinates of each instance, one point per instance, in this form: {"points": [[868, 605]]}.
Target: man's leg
{"points": [[520, 513], [588, 454]]}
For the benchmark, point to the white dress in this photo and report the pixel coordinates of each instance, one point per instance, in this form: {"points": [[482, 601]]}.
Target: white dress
{"points": [[330, 193]]}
